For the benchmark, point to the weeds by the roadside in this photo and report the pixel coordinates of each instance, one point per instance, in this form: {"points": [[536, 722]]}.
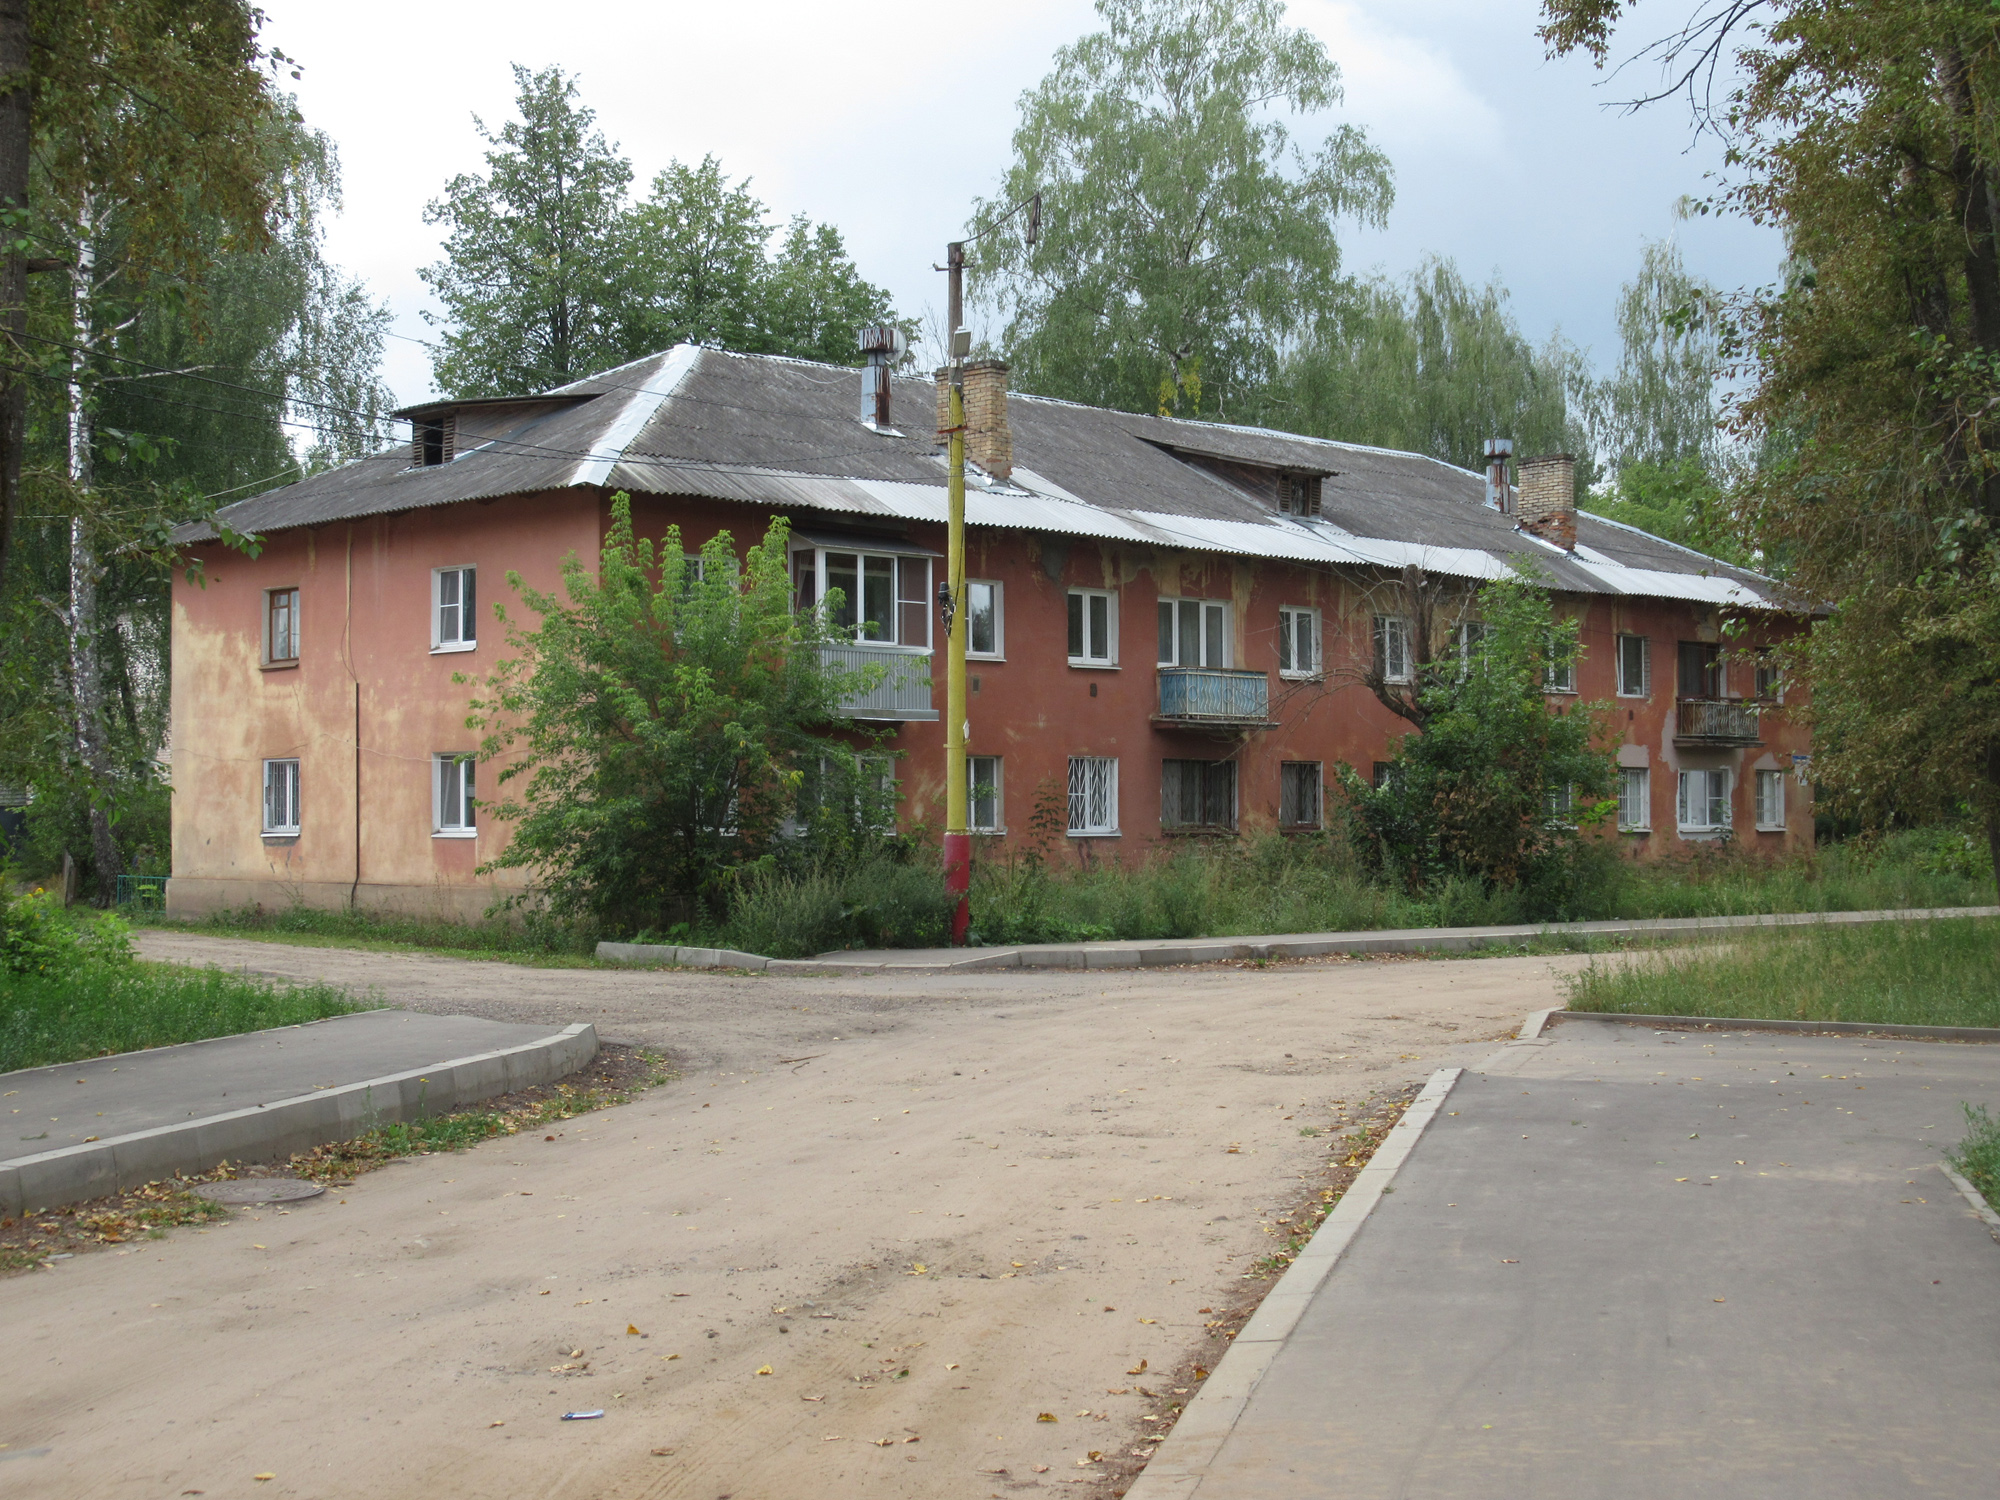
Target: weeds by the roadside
{"points": [[541, 943], [1978, 1155], [1918, 973], [145, 1213]]}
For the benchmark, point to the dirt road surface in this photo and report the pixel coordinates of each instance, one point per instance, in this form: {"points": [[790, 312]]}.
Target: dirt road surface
{"points": [[877, 1228]]}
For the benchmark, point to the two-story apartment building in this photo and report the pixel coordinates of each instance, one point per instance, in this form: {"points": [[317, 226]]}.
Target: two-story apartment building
{"points": [[1175, 626]]}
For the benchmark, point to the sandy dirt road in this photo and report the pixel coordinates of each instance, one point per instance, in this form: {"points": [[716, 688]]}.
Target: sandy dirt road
{"points": [[931, 1208]]}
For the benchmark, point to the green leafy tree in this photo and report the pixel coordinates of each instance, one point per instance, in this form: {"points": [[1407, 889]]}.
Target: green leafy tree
{"points": [[1871, 136], [1499, 783], [533, 279], [1185, 238], [669, 719], [813, 302]]}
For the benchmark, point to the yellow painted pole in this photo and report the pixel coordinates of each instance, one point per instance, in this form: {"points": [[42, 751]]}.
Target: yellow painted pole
{"points": [[957, 836]]}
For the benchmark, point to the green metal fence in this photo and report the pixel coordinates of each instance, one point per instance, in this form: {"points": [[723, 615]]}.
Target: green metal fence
{"points": [[142, 892]]}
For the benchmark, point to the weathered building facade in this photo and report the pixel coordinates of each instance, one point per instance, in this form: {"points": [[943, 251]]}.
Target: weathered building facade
{"points": [[1176, 626]]}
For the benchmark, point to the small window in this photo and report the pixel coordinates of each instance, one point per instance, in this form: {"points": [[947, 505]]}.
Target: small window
{"points": [[1635, 799], [1298, 494], [1392, 648], [1704, 802], [1381, 773], [454, 609], [433, 439], [1771, 801], [1194, 633], [983, 805], [1635, 667], [1559, 665], [281, 627], [1560, 804], [451, 796], [1198, 794], [281, 796], [1770, 681], [1300, 787], [1093, 628], [1471, 639], [1093, 794], [985, 633], [1298, 643]]}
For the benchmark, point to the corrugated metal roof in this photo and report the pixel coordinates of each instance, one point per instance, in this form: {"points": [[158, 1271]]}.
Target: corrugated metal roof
{"points": [[782, 434]]}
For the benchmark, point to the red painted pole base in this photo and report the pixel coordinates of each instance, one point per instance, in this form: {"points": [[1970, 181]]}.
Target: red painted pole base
{"points": [[958, 880]]}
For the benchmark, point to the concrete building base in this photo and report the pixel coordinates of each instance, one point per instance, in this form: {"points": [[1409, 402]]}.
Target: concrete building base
{"points": [[201, 896]]}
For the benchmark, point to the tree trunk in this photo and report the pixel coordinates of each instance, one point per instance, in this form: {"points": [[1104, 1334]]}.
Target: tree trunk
{"points": [[86, 663], [15, 105]]}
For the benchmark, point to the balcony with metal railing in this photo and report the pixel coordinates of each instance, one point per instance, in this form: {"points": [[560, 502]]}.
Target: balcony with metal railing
{"points": [[904, 692], [1716, 722], [1220, 697]]}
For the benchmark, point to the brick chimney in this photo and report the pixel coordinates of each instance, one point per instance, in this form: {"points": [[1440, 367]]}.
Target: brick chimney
{"points": [[988, 443], [1548, 499]]}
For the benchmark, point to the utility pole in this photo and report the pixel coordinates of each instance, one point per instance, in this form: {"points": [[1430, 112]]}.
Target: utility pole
{"points": [[951, 593]]}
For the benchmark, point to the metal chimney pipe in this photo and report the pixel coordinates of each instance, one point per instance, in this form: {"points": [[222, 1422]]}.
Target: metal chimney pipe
{"points": [[883, 345], [1498, 451]]}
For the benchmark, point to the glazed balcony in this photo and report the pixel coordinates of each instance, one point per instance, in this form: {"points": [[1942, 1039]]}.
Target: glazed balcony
{"points": [[1716, 722], [903, 694], [1219, 697]]}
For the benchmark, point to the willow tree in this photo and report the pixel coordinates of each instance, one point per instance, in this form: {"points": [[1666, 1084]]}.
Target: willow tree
{"points": [[1871, 136]]}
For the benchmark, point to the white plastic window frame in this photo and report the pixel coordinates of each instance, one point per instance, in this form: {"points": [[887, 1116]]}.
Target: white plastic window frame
{"points": [[439, 645], [1109, 660], [1727, 799], [997, 823], [1221, 611], [286, 767], [1645, 665], [443, 794], [998, 651], [1559, 673], [1391, 645], [1109, 769], [1775, 781], [1289, 616], [1642, 803], [861, 554]]}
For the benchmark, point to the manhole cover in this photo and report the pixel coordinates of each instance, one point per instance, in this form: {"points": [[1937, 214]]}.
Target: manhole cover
{"points": [[259, 1190]]}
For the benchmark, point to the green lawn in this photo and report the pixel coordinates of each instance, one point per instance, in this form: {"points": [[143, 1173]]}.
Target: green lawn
{"points": [[1926, 973], [95, 1010]]}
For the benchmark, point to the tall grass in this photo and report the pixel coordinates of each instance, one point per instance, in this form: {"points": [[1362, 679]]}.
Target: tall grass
{"points": [[98, 1009], [536, 937], [1919, 973], [1978, 1155]]}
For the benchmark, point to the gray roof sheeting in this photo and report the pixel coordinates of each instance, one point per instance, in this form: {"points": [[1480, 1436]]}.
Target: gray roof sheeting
{"points": [[785, 434]]}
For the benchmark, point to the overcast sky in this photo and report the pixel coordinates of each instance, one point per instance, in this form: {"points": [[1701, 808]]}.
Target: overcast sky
{"points": [[887, 118]]}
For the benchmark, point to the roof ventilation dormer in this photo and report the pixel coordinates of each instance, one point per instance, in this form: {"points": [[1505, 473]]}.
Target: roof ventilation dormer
{"points": [[433, 439], [883, 345]]}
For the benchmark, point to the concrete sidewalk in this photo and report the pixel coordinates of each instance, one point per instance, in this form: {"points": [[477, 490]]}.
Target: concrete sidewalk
{"points": [[1628, 1263], [1144, 953], [78, 1130]]}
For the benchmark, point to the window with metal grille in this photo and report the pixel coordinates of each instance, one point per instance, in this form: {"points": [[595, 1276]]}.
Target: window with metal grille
{"points": [[281, 796], [1300, 792], [1198, 794], [1635, 666], [1771, 800], [455, 609], [1093, 628], [1392, 648], [451, 796], [983, 804], [1298, 642], [1093, 794], [1704, 802], [281, 626], [1635, 798]]}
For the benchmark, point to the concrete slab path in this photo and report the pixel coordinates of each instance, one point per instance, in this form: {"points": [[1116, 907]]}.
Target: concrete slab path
{"points": [[1634, 1263]]}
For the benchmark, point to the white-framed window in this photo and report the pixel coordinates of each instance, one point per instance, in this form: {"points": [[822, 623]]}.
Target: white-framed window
{"points": [[1770, 681], [1093, 628], [1771, 801], [1194, 633], [983, 810], [1635, 799], [281, 796], [1392, 648], [1560, 803], [1704, 802], [1635, 666], [1198, 794], [1559, 665], [985, 622], [454, 609], [1298, 643], [1301, 793], [1471, 636], [885, 597], [451, 796], [1093, 794], [281, 627]]}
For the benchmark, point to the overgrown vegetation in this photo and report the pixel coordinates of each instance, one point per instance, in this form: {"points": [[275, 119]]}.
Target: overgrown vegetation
{"points": [[1916, 973], [1978, 1155], [70, 988]]}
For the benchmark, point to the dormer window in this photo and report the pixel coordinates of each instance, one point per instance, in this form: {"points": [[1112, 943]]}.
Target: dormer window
{"points": [[1298, 494], [432, 439]]}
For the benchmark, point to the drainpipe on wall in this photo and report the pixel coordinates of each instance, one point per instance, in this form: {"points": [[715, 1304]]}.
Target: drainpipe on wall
{"points": [[347, 637]]}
